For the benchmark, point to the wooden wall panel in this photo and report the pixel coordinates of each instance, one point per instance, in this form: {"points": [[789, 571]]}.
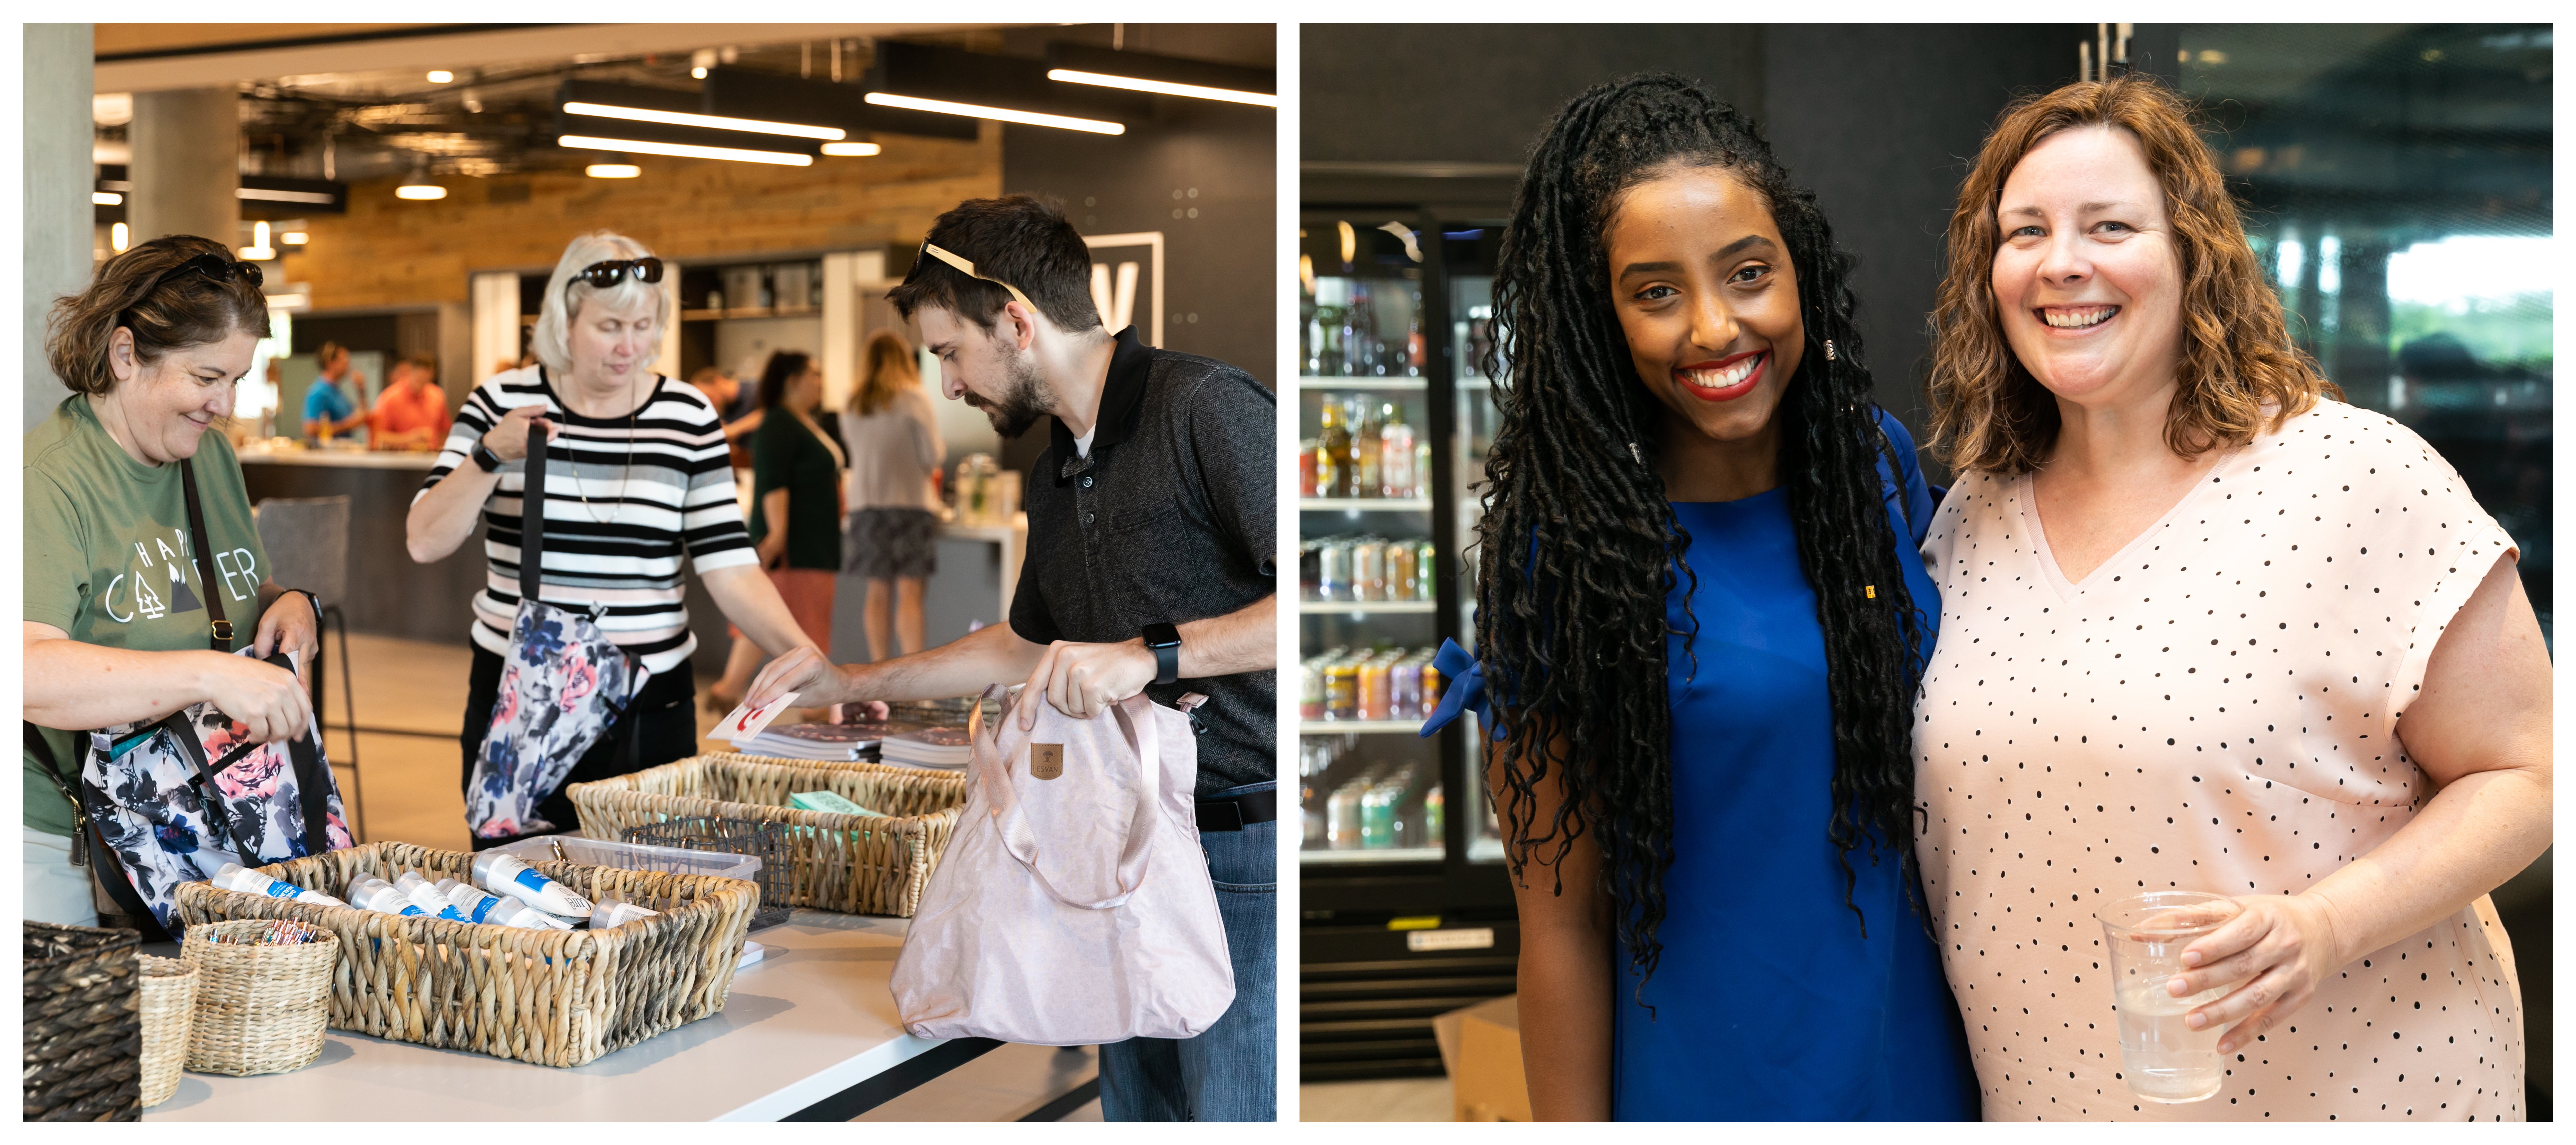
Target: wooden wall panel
{"points": [[392, 252]]}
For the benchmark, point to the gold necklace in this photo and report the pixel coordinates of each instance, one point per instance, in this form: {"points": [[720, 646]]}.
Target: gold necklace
{"points": [[623, 472]]}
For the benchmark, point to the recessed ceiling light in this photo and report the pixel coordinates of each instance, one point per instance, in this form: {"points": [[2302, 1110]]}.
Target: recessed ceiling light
{"points": [[422, 191], [106, 198], [294, 238], [118, 236], [852, 148], [441, 76], [612, 171]]}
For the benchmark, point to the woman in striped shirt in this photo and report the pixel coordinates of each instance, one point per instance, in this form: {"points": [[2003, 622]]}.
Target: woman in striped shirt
{"points": [[636, 478]]}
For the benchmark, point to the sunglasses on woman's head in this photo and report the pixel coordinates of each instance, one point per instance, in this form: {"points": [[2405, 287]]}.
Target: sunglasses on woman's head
{"points": [[607, 274], [213, 266]]}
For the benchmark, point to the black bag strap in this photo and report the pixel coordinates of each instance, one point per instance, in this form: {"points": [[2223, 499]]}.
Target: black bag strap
{"points": [[211, 796], [532, 512], [220, 632], [44, 753]]}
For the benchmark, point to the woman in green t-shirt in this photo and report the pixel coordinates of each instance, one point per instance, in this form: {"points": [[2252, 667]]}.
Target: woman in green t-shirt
{"points": [[116, 623], [795, 510]]}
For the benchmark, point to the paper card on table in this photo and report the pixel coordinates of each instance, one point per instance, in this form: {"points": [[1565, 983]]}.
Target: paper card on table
{"points": [[746, 721]]}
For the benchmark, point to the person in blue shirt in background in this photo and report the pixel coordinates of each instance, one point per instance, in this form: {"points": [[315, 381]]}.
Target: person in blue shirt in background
{"points": [[328, 409]]}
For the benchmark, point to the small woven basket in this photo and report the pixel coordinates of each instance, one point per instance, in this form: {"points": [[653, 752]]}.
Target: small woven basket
{"points": [[856, 864], [83, 1036], [169, 991], [260, 1009]]}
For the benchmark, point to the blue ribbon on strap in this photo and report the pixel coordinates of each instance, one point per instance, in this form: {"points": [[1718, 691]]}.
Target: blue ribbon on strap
{"points": [[1462, 689]]}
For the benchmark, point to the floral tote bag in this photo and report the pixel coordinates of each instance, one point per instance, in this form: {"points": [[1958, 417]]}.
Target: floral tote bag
{"points": [[562, 688]]}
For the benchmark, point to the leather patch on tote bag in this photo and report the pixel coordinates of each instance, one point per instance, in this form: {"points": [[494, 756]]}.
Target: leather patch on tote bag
{"points": [[1046, 760]]}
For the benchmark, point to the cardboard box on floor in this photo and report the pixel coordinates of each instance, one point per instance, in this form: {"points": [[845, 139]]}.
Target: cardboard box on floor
{"points": [[1481, 1047]]}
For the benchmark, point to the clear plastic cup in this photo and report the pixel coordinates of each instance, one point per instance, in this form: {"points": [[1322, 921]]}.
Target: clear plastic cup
{"points": [[2162, 1059]]}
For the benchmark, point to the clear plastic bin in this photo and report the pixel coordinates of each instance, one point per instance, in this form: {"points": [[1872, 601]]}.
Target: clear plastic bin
{"points": [[635, 856]]}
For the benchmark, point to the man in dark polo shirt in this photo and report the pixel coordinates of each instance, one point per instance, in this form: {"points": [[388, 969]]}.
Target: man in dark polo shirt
{"points": [[1150, 568]]}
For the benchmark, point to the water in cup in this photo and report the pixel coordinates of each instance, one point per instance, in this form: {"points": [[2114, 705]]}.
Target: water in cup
{"points": [[2162, 1059]]}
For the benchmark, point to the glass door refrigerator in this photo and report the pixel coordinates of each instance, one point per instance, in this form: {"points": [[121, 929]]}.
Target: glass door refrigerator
{"points": [[1407, 910]]}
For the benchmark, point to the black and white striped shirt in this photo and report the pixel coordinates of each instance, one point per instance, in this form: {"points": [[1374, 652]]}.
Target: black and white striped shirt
{"points": [[656, 491]]}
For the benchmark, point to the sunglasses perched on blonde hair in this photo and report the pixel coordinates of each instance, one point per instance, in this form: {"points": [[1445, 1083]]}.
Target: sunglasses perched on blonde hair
{"points": [[963, 267], [607, 274]]}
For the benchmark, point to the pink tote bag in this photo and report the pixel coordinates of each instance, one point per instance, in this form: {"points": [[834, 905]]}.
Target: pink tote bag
{"points": [[1073, 906]]}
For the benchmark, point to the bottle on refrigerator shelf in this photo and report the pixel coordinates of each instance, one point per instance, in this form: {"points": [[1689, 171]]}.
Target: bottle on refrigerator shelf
{"points": [[1332, 451], [1395, 453], [1435, 817], [1306, 467], [1426, 575], [1366, 447], [1358, 331], [1413, 338]]}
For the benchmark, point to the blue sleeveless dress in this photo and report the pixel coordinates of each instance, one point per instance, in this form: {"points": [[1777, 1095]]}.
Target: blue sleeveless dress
{"points": [[1769, 1004]]}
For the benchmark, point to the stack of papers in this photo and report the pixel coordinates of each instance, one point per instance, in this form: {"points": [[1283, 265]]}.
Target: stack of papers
{"points": [[946, 749], [839, 742]]}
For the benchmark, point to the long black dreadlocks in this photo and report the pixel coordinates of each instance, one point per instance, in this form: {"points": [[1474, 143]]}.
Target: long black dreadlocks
{"points": [[1572, 641]]}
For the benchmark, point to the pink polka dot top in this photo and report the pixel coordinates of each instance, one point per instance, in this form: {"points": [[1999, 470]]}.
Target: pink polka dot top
{"points": [[2212, 709]]}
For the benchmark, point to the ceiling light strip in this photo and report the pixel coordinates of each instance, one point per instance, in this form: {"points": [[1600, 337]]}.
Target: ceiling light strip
{"points": [[689, 119], [979, 111], [684, 150], [853, 149], [266, 195], [1160, 87]]}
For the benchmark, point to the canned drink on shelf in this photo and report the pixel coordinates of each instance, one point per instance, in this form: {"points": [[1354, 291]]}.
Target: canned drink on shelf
{"points": [[1430, 687], [1374, 699], [1310, 689], [1404, 689], [1368, 569], [1341, 690], [1426, 571], [1399, 571], [1333, 569], [1306, 467]]}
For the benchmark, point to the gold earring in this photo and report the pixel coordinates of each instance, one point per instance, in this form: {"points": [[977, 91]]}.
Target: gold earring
{"points": [[1829, 349]]}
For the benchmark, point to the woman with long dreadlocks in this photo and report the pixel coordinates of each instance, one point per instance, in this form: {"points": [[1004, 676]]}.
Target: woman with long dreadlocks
{"points": [[1701, 619]]}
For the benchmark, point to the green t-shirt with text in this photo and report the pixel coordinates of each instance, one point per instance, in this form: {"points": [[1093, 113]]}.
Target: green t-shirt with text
{"points": [[107, 558]]}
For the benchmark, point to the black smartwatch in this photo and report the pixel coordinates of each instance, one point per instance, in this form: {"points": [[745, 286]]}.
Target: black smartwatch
{"points": [[1165, 641], [485, 459]]}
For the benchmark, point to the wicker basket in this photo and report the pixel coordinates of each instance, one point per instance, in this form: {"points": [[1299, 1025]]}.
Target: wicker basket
{"points": [[83, 1036], [559, 998], [857, 864], [169, 992], [260, 1009]]}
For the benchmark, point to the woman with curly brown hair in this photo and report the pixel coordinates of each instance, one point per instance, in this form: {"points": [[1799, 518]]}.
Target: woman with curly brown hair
{"points": [[2206, 628]]}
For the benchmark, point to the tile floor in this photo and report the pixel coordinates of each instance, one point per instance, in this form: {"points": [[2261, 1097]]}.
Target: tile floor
{"points": [[1400, 1099], [410, 701]]}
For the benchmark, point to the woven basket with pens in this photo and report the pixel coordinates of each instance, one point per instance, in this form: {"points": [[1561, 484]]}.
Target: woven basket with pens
{"points": [[857, 864], [263, 994]]}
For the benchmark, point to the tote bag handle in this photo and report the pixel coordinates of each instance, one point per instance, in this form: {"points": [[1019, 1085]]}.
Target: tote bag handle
{"points": [[1135, 720]]}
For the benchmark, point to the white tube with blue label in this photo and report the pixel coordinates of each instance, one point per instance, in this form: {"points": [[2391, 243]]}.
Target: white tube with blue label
{"points": [[504, 875], [235, 877]]}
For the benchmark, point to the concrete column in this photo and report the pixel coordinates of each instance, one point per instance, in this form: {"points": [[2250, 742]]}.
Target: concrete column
{"points": [[56, 212], [187, 164]]}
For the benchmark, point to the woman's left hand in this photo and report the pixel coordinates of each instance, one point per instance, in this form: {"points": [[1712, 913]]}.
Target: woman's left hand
{"points": [[2274, 952], [772, 549], [290, 624]]}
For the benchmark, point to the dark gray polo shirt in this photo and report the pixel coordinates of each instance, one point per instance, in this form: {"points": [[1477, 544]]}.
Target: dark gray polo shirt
{"points": [[1172, 518]]}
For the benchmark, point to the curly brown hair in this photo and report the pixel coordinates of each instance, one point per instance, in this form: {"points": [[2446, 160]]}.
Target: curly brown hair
{"points": [[143, 290], [1989, 415]]}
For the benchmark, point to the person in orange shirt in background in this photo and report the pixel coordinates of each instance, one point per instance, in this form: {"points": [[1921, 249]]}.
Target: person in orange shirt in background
{"points": [[412, 412]]}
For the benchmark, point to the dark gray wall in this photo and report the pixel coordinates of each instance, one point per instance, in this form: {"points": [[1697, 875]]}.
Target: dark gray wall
{"points": [[1885, 155], [1475, 93]]}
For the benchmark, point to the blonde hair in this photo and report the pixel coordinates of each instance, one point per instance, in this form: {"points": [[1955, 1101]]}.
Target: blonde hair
{"points": [[886, 368], [1989, 415], [551, 341]]}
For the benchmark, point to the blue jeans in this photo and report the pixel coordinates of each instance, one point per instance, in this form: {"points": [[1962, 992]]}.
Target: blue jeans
{"points": [[1231, 1072]]}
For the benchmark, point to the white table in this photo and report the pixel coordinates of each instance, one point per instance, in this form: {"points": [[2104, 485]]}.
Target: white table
{"points": [[808, 1033]]}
